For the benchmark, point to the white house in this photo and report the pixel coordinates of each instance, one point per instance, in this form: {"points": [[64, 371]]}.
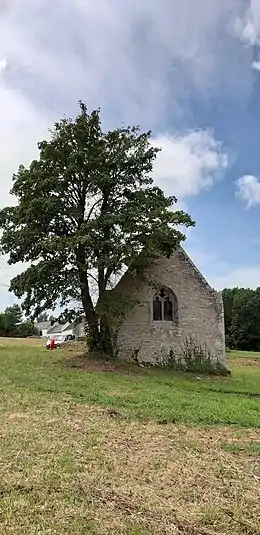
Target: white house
{"points": [[76, 329], [43, 327]]}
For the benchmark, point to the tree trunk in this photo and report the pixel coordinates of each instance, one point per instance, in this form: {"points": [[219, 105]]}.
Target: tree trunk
{"points": [[106, 340], [90, 315], [89, 311], [100, 335]]}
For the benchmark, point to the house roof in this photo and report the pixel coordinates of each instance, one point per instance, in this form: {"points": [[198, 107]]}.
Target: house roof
{"points": [[55, 328], [41, 325], [179, 251], [196, 270], [58, 328]]}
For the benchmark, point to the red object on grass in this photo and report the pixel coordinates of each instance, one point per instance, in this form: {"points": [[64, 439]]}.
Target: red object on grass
{"points": [[52, 343]]}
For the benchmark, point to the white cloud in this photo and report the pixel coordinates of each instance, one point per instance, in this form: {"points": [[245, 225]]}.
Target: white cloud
{"points": [[137, 61], [248, 189], [247, 27], [188, 164], [243, 277], [3, 65], [21, 126], [220, 275], [141, 59]]}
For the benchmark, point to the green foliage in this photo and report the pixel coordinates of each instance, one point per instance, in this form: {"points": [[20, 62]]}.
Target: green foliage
{"points": [[84, 211], [11, 323], [10, 319], [42, 317], [26, 329], [14, 316], [242, 318], [196, 359], [115, 305]]}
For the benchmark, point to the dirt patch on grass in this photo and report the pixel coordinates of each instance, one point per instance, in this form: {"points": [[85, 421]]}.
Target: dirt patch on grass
{"points": [[77, 347], [18, 415], [85, 363], [246, 362]]}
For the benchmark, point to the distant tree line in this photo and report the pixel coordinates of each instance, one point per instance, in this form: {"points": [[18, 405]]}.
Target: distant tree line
{"points": [[13, 325], [242, 318]]}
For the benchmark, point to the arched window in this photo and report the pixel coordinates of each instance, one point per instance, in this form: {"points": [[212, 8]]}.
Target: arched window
{"points": [[165, 307]]}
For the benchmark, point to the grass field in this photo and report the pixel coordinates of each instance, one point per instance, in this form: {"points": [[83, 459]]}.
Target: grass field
{"points": [[126, 451]]}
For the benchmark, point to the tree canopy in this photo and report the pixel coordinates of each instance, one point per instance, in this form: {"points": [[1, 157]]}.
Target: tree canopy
{"points": [[85, 210], [42, 317], [12, 324], [242, 318]]}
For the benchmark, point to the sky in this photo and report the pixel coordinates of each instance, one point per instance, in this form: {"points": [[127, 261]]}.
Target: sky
{"points": [[188, 70]]}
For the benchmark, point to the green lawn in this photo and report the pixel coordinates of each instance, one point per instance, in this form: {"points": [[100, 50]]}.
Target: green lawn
{"points": [[86, 453], [148, 394]]}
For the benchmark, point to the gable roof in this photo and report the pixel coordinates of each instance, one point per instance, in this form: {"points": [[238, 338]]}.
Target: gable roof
{"points": [[41, 325], [195, 269], [183, 256], [58, 328], [67, 325]]}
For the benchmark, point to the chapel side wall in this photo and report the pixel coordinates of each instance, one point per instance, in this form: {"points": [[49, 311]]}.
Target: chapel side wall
{"points": [[200, 313]]}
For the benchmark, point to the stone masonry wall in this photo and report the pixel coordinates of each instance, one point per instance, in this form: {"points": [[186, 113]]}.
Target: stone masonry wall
{"points": [[200, 312]]}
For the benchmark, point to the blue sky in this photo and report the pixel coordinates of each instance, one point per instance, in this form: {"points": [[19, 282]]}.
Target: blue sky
{"points": [[188, 70]]}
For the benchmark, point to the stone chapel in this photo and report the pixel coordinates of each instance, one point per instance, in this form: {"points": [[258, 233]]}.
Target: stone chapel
{"points": [[174, 305]]}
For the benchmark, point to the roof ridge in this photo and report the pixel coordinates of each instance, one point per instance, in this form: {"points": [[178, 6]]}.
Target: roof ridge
{"points": [[196, 269]]}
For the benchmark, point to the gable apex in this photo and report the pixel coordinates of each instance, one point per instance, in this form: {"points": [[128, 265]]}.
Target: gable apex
{"points": [[195, 269]]}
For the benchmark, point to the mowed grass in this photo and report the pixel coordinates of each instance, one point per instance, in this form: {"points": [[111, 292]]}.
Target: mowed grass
{"points": [[141, 393], [133, 451]]}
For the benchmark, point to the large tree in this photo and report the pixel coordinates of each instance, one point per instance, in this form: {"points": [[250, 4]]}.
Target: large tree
{"points": [[85, 210]]}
